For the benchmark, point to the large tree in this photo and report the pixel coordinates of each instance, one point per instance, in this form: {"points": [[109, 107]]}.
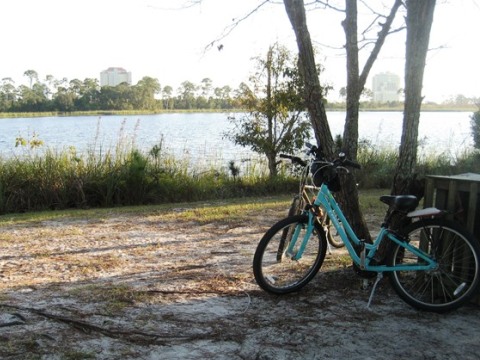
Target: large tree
{"points": [[313, 93], [357, 79], [146, 89], [32, 75], [419, 23]]}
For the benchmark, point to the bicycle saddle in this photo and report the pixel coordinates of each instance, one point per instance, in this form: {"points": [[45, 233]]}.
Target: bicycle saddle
{"points": [[400, 202]]}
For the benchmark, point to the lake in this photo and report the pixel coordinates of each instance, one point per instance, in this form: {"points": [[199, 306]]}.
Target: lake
{"points": [[199, 136]]}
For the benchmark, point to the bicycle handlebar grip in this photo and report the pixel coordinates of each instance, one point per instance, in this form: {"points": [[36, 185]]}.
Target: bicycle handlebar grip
{"points": [[352, 164]]}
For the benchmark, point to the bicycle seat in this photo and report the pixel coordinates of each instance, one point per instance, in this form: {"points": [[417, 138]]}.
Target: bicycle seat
{"points": [[400, 202]]}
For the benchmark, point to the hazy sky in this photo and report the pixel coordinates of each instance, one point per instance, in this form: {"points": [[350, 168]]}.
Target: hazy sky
{"points": [[77, 39]]}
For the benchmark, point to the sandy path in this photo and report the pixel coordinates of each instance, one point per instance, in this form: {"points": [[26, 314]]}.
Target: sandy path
{"points": [[142, 287]]}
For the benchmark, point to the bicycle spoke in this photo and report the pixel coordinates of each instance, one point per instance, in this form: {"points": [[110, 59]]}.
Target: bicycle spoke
{"points": [[282, 274], [454, 279]]}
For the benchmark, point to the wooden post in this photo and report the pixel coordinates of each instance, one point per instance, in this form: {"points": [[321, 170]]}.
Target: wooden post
{"points": [[429, 192], [472, 207], [451, 198]]}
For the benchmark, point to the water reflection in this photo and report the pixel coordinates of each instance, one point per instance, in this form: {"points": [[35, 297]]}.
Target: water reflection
{"points": [[198, 137]]}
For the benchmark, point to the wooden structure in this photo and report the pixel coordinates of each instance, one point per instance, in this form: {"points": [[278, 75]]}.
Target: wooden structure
{"points": [[460, 195]]}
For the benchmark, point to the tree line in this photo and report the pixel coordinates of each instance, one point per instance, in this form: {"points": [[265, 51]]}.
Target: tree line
{"points": [[61, 95], [53, 95]]}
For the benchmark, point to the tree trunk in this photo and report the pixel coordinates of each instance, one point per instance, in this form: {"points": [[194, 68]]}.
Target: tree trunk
{"points": [[313, 91], [354, 88], [348, 196], [419, 23], [356, 80], [355, 85]]}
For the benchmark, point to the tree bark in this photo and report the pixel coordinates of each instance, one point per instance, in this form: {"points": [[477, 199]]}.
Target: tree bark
{"points": [[348, 196], [354, 88], [419, 23], [355, 85], [313, 91], [350, 131], [355, 80]]}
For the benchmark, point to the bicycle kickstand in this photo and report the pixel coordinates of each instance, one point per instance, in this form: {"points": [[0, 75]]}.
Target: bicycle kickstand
{"points": [[329, 248], [379, 277]]}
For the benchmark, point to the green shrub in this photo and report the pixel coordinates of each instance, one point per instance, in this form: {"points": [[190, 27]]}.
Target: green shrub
{"points": [[476, 129], [60, 180]]}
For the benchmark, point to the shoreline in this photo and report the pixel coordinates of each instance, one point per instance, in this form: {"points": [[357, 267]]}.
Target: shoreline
{"points": [[129, 113]]}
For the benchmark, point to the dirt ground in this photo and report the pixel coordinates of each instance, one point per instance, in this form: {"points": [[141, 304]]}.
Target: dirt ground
{"points": [[142, 286]]}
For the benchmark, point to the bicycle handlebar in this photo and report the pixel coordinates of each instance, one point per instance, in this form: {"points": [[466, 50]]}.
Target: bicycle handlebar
{"points": [[341, 161], [295, 159], [351, 163]]}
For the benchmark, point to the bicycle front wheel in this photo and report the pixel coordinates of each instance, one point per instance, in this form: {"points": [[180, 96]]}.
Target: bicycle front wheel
{"points": [[275, 266], [456, 277]]}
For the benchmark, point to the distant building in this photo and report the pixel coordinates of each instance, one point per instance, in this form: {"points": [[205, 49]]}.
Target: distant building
{"points": [[385, 87], [114, 76]]}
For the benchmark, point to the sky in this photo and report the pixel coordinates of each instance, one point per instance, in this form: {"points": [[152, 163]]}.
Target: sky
{"points": [[164, 39]]}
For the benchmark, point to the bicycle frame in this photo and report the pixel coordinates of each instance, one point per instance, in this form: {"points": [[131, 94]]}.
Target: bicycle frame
{"points": [[326, 200]]}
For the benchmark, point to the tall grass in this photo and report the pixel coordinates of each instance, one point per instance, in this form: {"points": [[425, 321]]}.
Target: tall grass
{"points": [[378, 165], [42, 179]]}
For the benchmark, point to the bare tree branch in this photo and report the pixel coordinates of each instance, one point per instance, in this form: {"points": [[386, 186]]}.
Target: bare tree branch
{"points": [[228, 30], [325, 4], [185, 5], [382, 35]]}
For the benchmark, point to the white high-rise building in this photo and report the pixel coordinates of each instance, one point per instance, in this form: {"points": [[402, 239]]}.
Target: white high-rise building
{"points": [[114, 76], [385, 87]]}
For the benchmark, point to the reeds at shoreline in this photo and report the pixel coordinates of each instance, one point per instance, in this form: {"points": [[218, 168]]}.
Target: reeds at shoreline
{"points": [[124, 175]]}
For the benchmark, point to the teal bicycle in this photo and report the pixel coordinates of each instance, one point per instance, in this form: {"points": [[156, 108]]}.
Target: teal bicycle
{"points": [[433, 263]]}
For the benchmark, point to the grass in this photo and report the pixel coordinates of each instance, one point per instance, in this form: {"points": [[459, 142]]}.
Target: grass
{"points": [[370, 203], [201, 212], [219, 211], [46, 179], [114, 297], [58, 181], [119, 177]]}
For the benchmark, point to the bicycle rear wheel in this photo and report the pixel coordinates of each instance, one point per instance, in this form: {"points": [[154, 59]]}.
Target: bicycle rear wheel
{"points": [[295, 209], [296, 206], [274, 268], [333, 237], [332, 234], [454, 281]]}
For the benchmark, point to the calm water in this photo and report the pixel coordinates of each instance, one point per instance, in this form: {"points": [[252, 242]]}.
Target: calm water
{"points": [[199, 136]]}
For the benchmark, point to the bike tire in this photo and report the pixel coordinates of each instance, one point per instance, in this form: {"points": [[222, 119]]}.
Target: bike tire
{"points": [[457, 277], [286, 275]]}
